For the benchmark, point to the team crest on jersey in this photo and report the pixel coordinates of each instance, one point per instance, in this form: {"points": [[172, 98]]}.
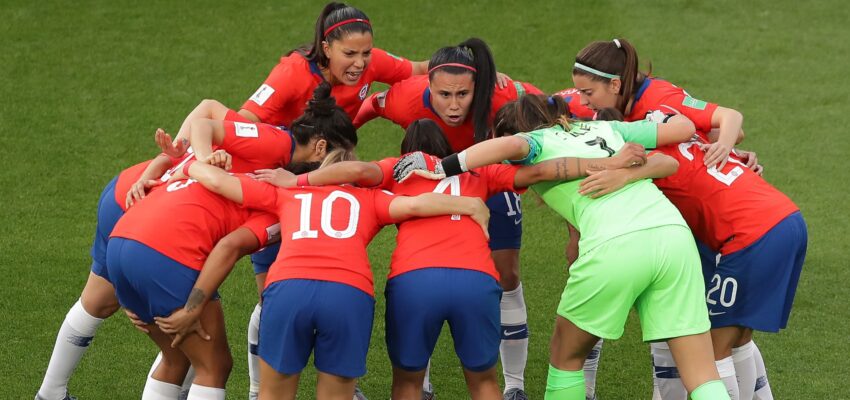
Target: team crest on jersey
{"points": [[262, 94], [363, 92]]}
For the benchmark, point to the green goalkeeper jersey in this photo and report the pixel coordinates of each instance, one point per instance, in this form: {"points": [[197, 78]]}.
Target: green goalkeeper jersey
{"points": [[637, 206]]}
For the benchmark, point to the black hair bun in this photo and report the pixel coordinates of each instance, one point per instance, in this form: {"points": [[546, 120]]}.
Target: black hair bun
{"points": [[322, 104]]}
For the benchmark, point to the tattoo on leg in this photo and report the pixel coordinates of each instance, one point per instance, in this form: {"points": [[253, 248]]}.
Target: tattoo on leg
{"points": [[196, 297]]}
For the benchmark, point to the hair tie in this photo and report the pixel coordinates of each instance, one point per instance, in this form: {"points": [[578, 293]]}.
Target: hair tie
{"points": [[595, 71], [345, 22], [617, 42], [464, 66], [550, 100]]}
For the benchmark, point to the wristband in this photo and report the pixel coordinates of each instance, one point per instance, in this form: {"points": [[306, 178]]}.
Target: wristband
{"points": [[667, 118], [451, 165], [186, 167], [302, 180]]}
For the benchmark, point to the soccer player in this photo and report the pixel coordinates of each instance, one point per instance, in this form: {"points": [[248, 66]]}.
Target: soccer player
{"points": [[323, 304], [650, 262], [460, 94], [439, 262], [606, 75]]}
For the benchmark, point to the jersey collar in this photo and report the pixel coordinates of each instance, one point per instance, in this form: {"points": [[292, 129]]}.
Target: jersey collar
{"points": [[426, 99], [642, 89]]}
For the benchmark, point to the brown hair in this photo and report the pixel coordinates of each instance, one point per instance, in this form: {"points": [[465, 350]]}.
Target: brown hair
{"points": [[529, 113], [426, 136], [615, 57]]}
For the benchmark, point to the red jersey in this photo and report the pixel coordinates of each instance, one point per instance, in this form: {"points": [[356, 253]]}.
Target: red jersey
{"points": [[447, 241], [573, 99], [256, 146], [410, 100], [324, 230], [284, 95], [129, 176], [184, 221], [727, 210]]}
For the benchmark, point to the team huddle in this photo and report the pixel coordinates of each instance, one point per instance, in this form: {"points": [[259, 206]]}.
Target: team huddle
{"points": [[664, 215]]}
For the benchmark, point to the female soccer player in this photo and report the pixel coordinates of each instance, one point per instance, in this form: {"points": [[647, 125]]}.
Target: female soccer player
{"points": [[440, 262], [650, 262], [305, 292], [459, 94], [606, 75]]}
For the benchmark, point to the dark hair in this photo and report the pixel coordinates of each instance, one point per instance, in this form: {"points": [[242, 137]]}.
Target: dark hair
{"points": [[528, 113], [473, 53], [426, 136], [616, 57], [332, 14], [609, 114], [323, 119]]}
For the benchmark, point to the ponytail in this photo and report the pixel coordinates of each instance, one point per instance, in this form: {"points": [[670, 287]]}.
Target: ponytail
{"points": [[472, 56], [614, 59], [335, 21]]}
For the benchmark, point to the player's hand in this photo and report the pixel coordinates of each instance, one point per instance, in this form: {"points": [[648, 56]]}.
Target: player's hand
{"points": [[751, 159], [221, 159], [630, 155], [138, 323], [481, 215], [139, 190], [502, 80], [417, 163], [163, 140], [600, 183], [716, 154], [278, 177], [181, 324]]}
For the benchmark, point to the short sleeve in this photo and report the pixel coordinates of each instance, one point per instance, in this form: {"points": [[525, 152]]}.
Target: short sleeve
{"points": [[698, 111], [500, 178], [534, 149], [264, 145], [528, 88], [264, 226], [641, 132], [381, 200], [258, 195], [386, 165], [284, 86], [388, 68]]}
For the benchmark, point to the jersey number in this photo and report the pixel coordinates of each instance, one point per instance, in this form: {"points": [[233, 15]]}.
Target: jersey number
{"points": [[728, 291], [602, 145], [453, 184], [726, 178], [327, 208]]}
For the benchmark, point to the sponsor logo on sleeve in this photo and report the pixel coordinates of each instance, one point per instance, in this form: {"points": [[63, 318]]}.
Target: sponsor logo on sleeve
{"points": [[382, 99], [262, 94], [363, 92], [246, 130], [694, 103]]}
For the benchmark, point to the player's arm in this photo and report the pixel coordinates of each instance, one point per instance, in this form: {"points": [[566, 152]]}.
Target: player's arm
{"points": [[602, 182], [569, 168], [369, 110], [149, 178], [249, 115], [216, 179], [728, 123], [434, 204], [676, 129], [361, 173], [217, 267]]}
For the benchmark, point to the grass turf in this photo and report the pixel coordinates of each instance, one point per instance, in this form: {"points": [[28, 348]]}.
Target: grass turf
{"points": [[84, 85]]}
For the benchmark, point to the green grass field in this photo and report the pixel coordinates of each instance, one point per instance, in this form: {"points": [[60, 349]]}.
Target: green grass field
{"points": [[83, 86]]}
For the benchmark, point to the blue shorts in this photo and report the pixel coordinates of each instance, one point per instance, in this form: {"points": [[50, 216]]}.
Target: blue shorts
{"points": [[264, 258], [147, 282], [331, 319], [108, 213], [505, 221], [419, 301], [754, 287]]}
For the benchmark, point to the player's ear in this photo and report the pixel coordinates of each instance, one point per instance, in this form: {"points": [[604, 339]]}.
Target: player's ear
{"points": [[326, 48], [321, 148], [614, 85]]}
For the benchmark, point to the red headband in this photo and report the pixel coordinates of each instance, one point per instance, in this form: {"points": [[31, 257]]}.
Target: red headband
{"points": [[464, 66], [344, 22]]}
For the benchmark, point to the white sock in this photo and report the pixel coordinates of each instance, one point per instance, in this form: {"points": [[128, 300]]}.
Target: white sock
{"points": [[187, 380], [426, 384], [199, 392], [591, 365], [253, 357], [73, 340], [726, 369], [514, 346], [762, 385], [666, 377], [745, 370], [159, 390]]}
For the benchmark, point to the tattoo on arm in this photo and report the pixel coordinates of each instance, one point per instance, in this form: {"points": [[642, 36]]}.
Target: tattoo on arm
{"points": [[196, 297], [561, 170]]}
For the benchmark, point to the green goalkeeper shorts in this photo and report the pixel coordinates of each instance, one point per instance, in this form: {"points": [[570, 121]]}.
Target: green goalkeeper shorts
{"points": [[657, 270]]}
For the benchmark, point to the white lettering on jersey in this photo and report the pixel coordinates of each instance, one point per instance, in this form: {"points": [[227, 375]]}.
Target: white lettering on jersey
{"points": [[262, 94], [246, 130]]}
